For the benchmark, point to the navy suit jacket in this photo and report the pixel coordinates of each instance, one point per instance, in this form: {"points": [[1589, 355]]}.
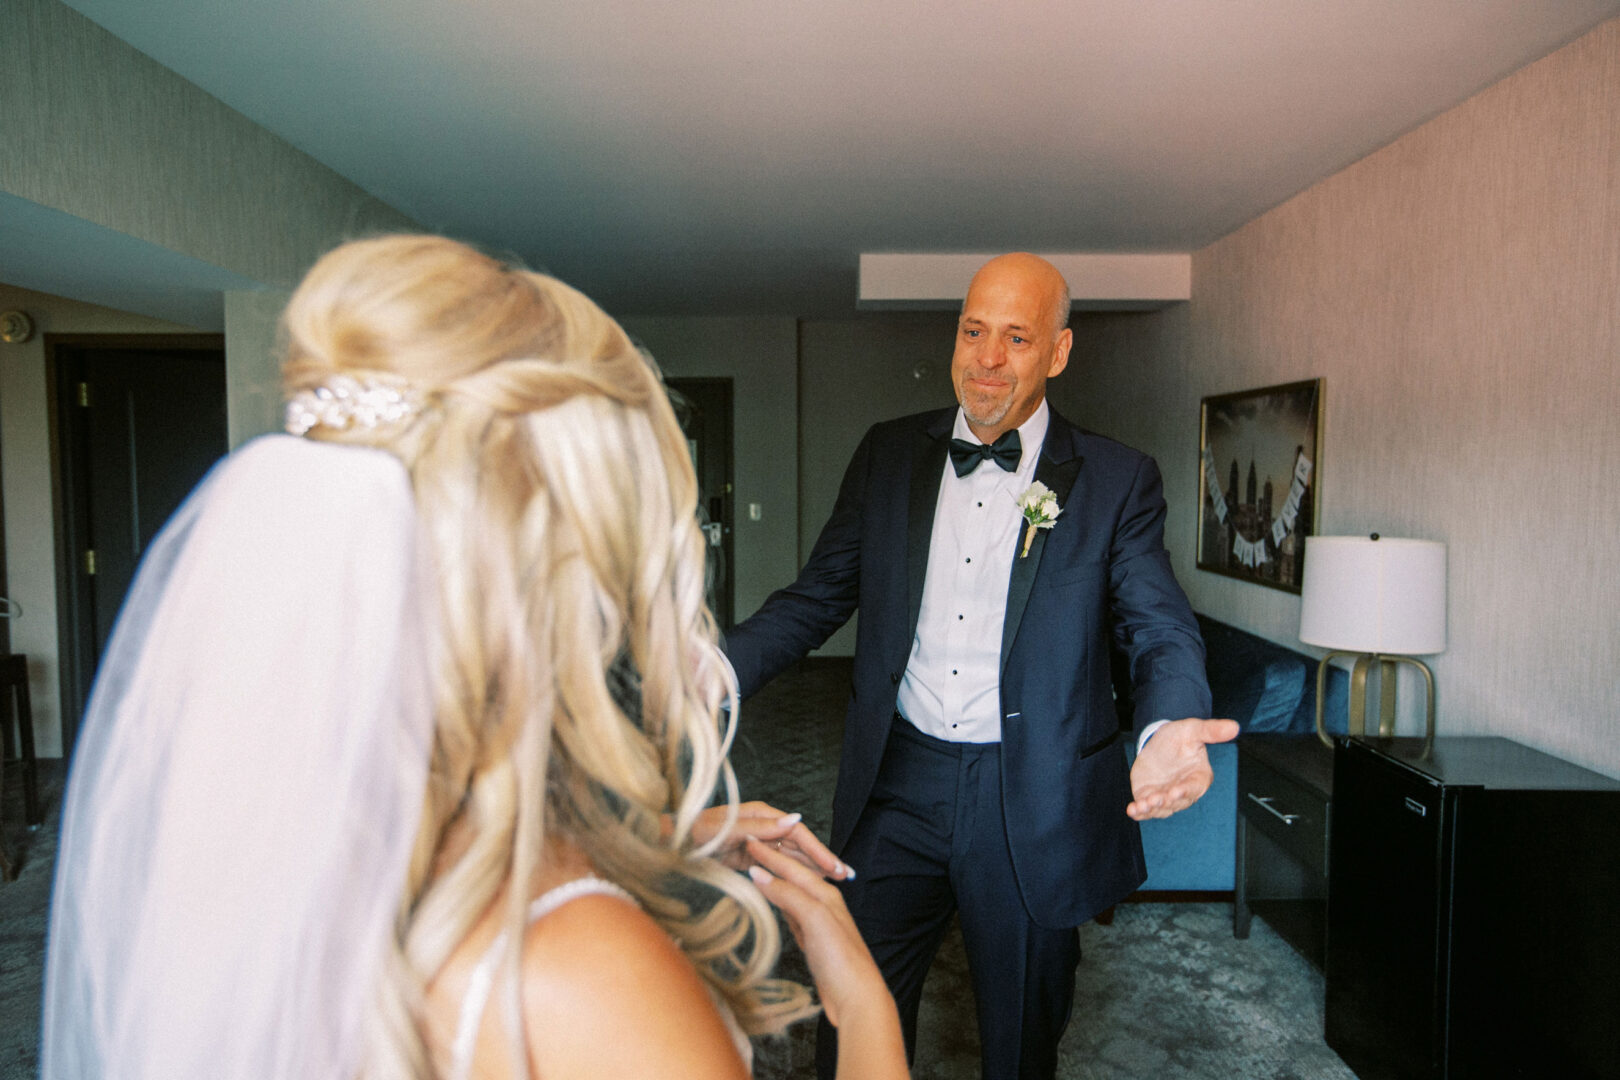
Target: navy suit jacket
{"points": [[1100, 574]]}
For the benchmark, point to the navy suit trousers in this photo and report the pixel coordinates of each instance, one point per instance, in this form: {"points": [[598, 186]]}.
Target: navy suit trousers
{"points": [[932, 842]]}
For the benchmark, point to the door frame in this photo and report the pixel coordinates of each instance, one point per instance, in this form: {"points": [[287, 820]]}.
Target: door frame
{"points": [[723, 459], [70, 482]]}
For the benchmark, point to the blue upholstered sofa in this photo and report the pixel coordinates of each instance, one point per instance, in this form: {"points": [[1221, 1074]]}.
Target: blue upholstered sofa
{"points": [[1264, 687]]}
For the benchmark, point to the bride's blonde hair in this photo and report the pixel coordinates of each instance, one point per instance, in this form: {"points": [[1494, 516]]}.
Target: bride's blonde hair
{"points": [[577, 682]]}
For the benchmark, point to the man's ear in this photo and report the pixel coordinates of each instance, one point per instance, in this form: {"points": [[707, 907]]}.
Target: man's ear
{"points": [[1060, 356]]}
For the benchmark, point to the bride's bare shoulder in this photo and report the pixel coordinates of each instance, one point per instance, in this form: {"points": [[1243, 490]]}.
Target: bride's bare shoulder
{"points": [[606, 993]]}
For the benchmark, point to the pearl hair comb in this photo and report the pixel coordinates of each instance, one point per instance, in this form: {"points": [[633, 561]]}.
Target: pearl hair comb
{"points": [[344, 402]]}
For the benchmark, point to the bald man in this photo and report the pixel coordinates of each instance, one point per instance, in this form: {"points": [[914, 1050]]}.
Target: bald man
{"points": [[982, 770]]}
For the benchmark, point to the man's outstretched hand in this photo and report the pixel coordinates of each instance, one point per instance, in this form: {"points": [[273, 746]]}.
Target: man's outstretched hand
{"points": [[1172, 772]]}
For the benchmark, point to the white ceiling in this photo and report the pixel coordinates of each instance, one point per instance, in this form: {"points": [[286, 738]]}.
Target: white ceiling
{"points": [[735, 156], [51, 251]]}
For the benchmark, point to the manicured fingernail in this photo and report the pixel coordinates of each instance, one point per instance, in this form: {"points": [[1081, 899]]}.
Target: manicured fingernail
{"points": [[759, 874], [848, 870], [787, 821]]}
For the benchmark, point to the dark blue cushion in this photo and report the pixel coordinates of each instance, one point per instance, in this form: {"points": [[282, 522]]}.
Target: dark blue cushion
{"points": [[1283, 684], [1265, 686], [1260, 684]]}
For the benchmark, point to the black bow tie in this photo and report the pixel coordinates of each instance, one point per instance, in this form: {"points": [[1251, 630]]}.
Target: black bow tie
{"points": [[1005, 451]]}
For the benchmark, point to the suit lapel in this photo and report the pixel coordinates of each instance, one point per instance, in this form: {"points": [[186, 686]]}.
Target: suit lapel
{"points": [[1057, 468], [928, 466]]}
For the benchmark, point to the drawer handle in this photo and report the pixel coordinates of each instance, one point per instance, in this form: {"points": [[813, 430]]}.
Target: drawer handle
{"points": [[1264, 802]]}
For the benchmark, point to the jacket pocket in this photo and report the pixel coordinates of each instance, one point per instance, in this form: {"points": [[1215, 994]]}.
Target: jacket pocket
{"points": [[1069, 575], [1100, 745]]}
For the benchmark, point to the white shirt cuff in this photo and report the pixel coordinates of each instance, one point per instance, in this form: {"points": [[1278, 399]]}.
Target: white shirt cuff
{"points": [[1147, 733]]}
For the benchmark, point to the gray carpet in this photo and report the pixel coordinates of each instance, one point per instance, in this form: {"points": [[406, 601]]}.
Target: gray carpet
{"points": [[1165, 992]]}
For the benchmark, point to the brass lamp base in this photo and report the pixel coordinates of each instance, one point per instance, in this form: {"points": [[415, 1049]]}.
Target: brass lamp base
{"points": [[1358, 693]]}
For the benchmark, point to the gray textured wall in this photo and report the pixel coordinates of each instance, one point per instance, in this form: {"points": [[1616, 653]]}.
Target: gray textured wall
{"points": [[854, 373], [252, 366], [103, 132], [1460, 292], [759, 355]]}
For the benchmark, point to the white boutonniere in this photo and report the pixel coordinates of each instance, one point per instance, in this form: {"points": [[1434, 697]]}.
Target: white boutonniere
{"points": [[1040, 506]]}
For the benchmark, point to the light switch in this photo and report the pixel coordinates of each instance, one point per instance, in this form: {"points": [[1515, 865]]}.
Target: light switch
{"points": [[754, 512]]}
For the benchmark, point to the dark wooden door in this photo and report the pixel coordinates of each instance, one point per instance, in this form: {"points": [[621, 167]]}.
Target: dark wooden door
{"points": [[7, 751], [6, 609], [139, 427], [703, 406]]}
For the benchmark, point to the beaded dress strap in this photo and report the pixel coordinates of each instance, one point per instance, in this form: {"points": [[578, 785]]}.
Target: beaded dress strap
{"points": [[483, 976]]}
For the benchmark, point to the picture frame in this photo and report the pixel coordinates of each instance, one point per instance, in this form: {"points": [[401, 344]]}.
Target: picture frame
{"points": [[1259, 467]]}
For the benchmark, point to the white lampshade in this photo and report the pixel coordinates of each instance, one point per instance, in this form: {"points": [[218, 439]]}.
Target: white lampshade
{"points": [[1374, 596]]}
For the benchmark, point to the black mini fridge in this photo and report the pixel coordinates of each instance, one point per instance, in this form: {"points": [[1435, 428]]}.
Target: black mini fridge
{"points": [[1473, 912]]}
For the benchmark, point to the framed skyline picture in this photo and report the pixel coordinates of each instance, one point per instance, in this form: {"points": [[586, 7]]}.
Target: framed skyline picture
{"points": [[1259, 452]]}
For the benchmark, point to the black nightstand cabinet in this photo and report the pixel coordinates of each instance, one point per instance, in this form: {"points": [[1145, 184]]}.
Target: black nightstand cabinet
{"points": [[1285, 795], [1473, 912]]}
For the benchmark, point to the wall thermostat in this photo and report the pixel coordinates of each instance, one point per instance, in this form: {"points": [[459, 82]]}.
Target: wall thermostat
{"points": [[15, 327]]}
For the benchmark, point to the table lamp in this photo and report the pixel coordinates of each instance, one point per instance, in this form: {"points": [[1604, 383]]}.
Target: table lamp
{"points": [[1381, 600]]}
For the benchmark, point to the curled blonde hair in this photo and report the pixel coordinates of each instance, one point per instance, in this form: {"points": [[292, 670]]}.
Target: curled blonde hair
{"points": [[577, 678]]}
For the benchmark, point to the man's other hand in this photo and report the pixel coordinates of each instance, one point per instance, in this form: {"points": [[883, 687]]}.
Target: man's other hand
{"points": [[1172, 772]]}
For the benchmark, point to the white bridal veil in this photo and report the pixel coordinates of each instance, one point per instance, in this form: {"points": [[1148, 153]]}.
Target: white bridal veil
{"points": [[247, 782]]}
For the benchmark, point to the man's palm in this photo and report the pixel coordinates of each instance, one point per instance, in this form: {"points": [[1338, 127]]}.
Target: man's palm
{"points": [[1172, 772]]}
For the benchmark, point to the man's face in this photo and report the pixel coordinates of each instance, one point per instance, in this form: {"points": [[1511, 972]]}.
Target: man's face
{"points": [[1006, 345]]}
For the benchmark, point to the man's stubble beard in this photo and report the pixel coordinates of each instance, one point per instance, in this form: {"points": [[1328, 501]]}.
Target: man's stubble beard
{"points": [[995, 413]]}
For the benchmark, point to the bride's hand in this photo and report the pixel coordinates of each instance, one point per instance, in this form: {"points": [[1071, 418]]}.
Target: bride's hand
{"points": [[853, 994], [781, 832], [847, 978]]}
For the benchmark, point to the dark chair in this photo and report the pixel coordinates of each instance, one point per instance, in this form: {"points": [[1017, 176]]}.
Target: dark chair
{"points": [[14, 676]]}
